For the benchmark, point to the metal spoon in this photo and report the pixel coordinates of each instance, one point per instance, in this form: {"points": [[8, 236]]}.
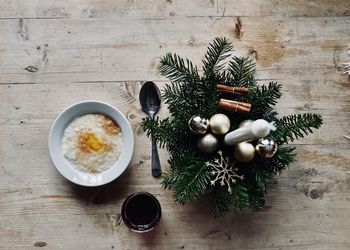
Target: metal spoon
{"points": [[150, 103]]}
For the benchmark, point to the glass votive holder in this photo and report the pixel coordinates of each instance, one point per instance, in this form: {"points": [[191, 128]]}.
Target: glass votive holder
{"points": [[141, 212]]}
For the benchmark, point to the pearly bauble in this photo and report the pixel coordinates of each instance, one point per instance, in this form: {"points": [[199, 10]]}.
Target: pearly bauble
{"points": [[219, 124], [244, 152]]}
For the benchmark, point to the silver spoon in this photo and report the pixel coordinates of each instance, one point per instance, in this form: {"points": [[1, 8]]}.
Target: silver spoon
{"points": [[150, 103]]}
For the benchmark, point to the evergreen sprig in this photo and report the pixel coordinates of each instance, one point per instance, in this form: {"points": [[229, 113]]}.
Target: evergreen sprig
{"points": [[292, 127], [217, 52], [189, 178], [219, 199], [242, 70], [178, 69], [283, 158], [263, 100], [190, 93]]}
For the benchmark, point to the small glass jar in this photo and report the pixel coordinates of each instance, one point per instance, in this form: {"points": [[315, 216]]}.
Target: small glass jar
{"points": [[141, 212]]}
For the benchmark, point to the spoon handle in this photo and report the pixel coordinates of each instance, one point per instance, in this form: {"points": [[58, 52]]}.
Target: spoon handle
{"points": [[156, 169]]}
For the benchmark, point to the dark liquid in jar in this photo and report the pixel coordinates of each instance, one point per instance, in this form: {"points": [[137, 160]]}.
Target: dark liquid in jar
{"points": [[141, 212]]}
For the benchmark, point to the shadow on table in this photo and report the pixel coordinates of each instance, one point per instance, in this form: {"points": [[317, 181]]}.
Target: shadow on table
{"points": [[105, 194], [195, 218]]}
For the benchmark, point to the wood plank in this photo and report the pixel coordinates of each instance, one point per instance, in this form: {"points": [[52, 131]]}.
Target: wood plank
{"points": [[32, 108], [102, 50], [168, 8]]}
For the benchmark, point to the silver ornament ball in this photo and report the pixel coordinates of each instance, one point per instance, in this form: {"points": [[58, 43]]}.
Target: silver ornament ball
{"points": [[198, 124], [208, 143], [244, 152], [266, 147], [219, 124]]}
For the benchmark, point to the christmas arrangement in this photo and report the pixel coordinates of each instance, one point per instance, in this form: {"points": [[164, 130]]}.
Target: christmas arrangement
{"points": [[225, 139]]}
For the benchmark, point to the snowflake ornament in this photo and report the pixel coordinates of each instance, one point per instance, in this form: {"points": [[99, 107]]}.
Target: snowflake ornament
{"points": [[347, 68], [224, 171], [347, 65]]}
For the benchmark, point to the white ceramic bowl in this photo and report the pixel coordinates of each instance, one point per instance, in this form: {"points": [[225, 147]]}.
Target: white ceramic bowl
{"points": [[64, 166]]}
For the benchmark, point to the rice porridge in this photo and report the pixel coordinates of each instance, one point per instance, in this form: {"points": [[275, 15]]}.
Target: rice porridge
{"points": [[92, 143]]}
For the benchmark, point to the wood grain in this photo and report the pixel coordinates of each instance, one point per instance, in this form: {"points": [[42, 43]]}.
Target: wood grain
{"points": [[98, 49], [54, 53], [54, 9]]}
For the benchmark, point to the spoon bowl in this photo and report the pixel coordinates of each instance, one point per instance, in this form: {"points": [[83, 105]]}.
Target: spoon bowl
{"points": [[150, 98]]}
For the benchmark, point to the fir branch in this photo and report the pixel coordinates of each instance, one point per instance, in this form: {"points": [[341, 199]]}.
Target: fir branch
{"points": [[188, 176], [264, 179], [281, 160], [189, 98], [250, 81], [157, 129], [219, 200], [170, 178], [192, 183], [178, 69], [256, 199], [240, 195], [263, 100], [224, 77], [217, 52], [242, 70], [292, 127]]}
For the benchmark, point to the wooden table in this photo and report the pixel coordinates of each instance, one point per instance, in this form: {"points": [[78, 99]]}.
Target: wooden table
{"points": [[54, 53]]}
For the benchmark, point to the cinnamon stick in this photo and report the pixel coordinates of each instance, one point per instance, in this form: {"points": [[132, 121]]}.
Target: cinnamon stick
{"points": [[239, 107], [231, 90]]}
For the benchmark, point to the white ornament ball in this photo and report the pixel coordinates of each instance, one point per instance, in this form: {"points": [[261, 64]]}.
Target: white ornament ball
{"points": [[244, 152], [219, 124], [208, 143]]}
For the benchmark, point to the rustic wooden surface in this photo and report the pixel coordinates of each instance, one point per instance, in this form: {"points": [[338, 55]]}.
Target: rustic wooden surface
{"points": [[54, 53]]}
